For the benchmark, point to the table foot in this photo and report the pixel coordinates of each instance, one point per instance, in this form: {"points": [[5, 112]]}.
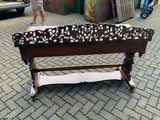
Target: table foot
{"points": [[33, 93], [125, 76], [131, 85]]}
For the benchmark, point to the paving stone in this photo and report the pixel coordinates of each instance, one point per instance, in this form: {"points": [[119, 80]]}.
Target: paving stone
{"points": [[143, 93], [103, 88], [141, 78], [91, 97], [98, 106], [121, 104], [4, 76], [11, 104], [151, 84], [122, 87], [155, 76], [155, 117], [122, 95], [114, 87], [4, 113], [42, 118], [7, 88], [36, 104], [17, 88], [63, 109], [58, 100], [132, 113], [80, 116], [144, 118], [75, 108], [153, 101], [92, 115], [131, 118], [140, 62], [46, 101], [84, 89], [132, 103], [101, 96], [38, 112], [155, 111], [110, 105], [9, 96], [157, 83], [94, 88], [63, 92], [141, 85], [52, 92], [19, 95], [23, 81], [142, 102], [86, 108], [23, 103], [26, 113], [132, 95], [144, 112], [28, 118], [69, 99], [2, 106], [55, 117], [73, 91], [13, 114], [156, 72], [51, 110], [149, 72], [68, 117], [150, 78], [80, 98], [158, 106], [107, 115], [141, 73], [150, 91], [120, 115]]}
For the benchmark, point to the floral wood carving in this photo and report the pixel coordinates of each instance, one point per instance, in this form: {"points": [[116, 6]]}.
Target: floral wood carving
{"points": [[81, 34]]}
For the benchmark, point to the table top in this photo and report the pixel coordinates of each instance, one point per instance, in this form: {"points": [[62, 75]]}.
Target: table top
{"points": [[33, 28]]}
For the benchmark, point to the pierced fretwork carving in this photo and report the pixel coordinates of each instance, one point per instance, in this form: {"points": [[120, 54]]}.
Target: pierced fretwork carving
{"points": [[79, 34]]}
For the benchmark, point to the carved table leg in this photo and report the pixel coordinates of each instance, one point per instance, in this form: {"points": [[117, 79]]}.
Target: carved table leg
{"points": [[34, 75], [125, 70]]}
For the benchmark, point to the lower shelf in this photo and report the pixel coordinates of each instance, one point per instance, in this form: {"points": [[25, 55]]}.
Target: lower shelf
{"points": [[75, 78]]}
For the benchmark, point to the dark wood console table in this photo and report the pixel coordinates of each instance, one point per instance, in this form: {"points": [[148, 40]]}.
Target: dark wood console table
{"points": [[84, 39]]}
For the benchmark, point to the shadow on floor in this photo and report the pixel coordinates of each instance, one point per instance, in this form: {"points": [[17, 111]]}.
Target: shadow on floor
{"points": [[10, 14]]}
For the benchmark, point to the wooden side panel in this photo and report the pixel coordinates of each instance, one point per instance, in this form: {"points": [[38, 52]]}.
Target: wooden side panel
{"points": [[123, 9]]}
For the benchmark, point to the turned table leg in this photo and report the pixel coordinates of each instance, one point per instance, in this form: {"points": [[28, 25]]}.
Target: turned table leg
{"points": [[34, 75], [125, 70]]}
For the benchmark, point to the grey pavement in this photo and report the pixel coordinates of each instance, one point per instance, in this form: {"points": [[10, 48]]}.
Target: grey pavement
{"points": [[108, 100]]}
